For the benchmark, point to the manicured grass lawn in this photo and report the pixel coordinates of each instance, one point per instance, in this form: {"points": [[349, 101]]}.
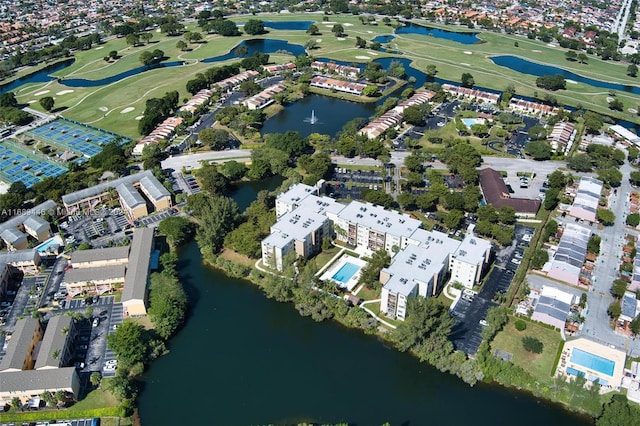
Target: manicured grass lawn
{"points": [[368, 294], [97, 398], [326, 255], [539, 365], [102, 106]]}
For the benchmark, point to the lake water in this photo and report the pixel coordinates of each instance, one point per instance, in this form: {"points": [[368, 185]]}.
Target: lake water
{"points": [[464, 38], [243, 359], [259, 45], [284, 25], [42, 76], [331, 114], [532, 68]]}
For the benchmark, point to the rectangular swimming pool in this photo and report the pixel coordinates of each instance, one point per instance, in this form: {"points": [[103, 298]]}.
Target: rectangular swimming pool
{"points": [[345, 273], [592, 362]]}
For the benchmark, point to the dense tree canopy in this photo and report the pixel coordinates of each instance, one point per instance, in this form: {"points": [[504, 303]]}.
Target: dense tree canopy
{"points": [[167, 304]]}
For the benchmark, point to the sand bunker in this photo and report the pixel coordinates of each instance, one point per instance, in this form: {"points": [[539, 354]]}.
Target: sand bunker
{"points": [[42, 92], [346, 24], [551, 45], [64, 92], [536, 51], [139, 117], [318, 40], [609, 99], [362, 57], [465, 64], [632, 110], [126, 110], [571, 81], [468, 52], [372, 53], [99, 47], [103, 109], [369, 32], [31, 101], [342, 38]]}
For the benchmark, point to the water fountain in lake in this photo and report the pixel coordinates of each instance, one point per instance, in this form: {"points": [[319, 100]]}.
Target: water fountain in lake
{"points": [[313, 119]]}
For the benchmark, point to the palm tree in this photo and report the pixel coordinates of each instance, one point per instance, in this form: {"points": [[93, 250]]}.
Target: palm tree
{"points": [[56, 354], [95, 378], [15, 402]]}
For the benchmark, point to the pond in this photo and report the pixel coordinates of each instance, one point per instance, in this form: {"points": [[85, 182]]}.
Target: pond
{"points": [[41, 76], [330, 113], [463, 38], [266, 45], [532, 68]]}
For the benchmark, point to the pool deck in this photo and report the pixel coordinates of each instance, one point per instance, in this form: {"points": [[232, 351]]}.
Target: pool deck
{"points": [[339, 263], [616, 356]]}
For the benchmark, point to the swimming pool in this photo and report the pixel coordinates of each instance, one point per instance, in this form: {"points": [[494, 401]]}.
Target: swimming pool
{"points": [[593, 362], [345, 272], [470, 121]]}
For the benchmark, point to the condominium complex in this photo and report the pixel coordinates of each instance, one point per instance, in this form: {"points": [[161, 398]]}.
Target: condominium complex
{"points": [[468, 93], [264, 98], [130, 190], [395, 115], [16, 231], [333, 68], [530, 107], [421, 259]]}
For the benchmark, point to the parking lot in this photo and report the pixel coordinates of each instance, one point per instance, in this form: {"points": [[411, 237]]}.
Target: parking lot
{"points": [[347, 183], [156, 218], [469, 312], [97, 229]]}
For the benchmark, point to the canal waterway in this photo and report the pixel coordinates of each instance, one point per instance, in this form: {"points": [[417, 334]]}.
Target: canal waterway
{"points": [[243, 359]]}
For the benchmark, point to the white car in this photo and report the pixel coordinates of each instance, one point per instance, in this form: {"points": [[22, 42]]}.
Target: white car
{"points": [[516, 261], [110, 367], [484, 323], [111, 362]]}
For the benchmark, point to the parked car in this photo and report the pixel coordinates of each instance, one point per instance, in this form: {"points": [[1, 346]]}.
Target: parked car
{"points": [[484, 323], [96, 322]]}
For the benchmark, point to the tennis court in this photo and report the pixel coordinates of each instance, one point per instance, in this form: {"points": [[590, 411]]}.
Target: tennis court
{"points": [[18, 164], [69, 135]]}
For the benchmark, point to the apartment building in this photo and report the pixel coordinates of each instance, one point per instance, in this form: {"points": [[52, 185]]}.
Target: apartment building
{"points": [[469, 93], [93, 280], [264, 98], [129, 190], [530, 107], [333, 68], [467, 262], [135, 291], [566, 262], [35, 358], [101, 257], [562, 137], [337, 85], [11, 231], [278, 69], [585, 204], [395, 115]]}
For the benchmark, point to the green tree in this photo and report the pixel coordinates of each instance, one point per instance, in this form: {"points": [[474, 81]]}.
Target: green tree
{"points": [[370, 274], [338, 30], [539, 150], [177, 229], [47, 103], [413, 115], [127, 343], [454, 219], [531, 344], [520, 325], [571, 55], [182, 45], [537, 133], [618, 288], [606, 217], [593, 245], [632, 70], [633, 219], [614, 310], [425, 330], [467, 80], [233, 170], [539, 258], [618, 412], [635, 325], [167, 304], [217, 139], [211, 180], [580, 162], [254, 27], [313, 30], [95, 378]]}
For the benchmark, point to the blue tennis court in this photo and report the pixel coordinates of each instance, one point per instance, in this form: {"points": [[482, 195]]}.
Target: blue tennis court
{"points": [[68, 135], [17, 164]]}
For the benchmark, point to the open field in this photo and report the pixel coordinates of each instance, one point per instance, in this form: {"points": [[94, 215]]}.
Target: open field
{"points": [[539, 365], [103, 106]]}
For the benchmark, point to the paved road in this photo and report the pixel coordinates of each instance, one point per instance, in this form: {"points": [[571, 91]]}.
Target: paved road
{"points": [[596, 325], [193, 161]]}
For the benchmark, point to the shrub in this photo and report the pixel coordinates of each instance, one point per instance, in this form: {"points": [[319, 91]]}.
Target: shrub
{"points": [[531, 344], [521, 325]]}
